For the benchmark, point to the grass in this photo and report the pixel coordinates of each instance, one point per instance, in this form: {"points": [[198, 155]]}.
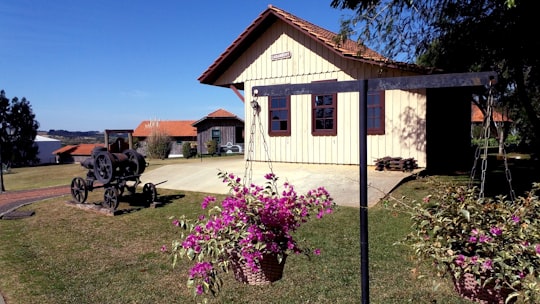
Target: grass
{"points": [[55, 175], [68, 255]]}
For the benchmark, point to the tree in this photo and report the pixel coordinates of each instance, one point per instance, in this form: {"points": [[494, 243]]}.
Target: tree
{"points": [[408, 28], [18, 146], [158, 143], [461, 36]]}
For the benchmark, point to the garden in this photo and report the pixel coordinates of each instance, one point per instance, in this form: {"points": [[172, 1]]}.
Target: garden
{"points": [[68, 255]]}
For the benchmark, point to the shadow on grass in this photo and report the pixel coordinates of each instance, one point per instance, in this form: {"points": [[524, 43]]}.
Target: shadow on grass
{"points": [[129, 203], [517, 175], [500, 176], [141, 200]]}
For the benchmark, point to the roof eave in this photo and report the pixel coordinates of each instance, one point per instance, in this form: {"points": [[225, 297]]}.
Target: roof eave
{"points": [[260, 25], [390, 64], [247, 37], [215, 118]]}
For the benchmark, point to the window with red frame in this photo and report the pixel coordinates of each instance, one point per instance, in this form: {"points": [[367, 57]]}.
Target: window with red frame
{"points": [[375, 113], [279, 115], [324, 114]]}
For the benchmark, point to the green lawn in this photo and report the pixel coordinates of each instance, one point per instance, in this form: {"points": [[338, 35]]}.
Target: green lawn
{"points": [[68, 255]]}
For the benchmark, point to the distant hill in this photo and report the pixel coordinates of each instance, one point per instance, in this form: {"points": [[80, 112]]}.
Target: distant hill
{"points": [[79, 137], [74, 133], [75, 137]]}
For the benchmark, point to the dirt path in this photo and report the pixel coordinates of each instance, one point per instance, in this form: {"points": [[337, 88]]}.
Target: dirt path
{"points": [[12, 200]]}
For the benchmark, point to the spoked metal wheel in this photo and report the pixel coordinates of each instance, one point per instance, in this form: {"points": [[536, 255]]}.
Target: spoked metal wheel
{"points": [[150, 192], [110, 198], [79, 191], [103, 167]]}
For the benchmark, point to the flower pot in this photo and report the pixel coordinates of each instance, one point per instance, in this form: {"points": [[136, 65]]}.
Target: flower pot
{"points": [[470, 288], [270, 270]]}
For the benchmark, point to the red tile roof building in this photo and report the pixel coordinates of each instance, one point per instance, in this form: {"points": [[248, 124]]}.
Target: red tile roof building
{"points": [[478, 117], [227, 125], [173, 128], [75, 153]]}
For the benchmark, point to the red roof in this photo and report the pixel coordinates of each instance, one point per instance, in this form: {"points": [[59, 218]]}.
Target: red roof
{"points": [[348, 49], [478, 117], [173, 128], [218, 114], [81, 149]]}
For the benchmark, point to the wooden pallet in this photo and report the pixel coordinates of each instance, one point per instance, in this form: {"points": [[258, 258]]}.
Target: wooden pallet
{"points": [[395, 164]]}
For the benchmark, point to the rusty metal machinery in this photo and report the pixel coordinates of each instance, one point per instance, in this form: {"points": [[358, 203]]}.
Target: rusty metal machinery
{"points": [[115, 172]]}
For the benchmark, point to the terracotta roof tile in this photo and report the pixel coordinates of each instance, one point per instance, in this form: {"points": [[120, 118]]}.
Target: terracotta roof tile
{"points": [[81, 149], [64, 149], [478, 117], [348, 49], [174, 128], [220, 113]]}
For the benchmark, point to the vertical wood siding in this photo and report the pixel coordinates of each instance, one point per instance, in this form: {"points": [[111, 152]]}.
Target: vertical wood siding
{"points": [[227, 130], [405, 110]]}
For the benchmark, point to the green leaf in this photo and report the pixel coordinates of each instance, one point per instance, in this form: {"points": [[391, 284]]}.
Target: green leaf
{"points": [[191, 254], [466, 214]]}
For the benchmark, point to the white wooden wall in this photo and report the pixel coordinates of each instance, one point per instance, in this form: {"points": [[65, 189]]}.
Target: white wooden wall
{"points": [[310, 61]]}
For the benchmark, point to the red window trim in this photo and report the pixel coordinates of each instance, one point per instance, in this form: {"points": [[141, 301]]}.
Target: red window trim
{"points": [[324, 132], [288, 107], [381, 129]]}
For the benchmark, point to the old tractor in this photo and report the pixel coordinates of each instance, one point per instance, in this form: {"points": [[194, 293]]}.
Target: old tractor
{"points": [[114, 171]]}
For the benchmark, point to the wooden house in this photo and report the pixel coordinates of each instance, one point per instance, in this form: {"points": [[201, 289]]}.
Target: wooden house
{"points": [[281, 48], [223, 127]]}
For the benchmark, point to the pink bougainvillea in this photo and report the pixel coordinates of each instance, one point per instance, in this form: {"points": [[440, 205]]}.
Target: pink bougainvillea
{"points": [[253, 221]]}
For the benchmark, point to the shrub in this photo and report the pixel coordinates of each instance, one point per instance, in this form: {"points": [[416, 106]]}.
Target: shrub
{"points": [[494, 239], [212, 147], [186, 149], [158, 144]]}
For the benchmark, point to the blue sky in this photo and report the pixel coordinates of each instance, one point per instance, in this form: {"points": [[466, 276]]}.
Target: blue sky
{"points": [[110, 64]]}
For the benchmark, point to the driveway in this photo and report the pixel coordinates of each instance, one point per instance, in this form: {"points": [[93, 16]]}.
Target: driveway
{"points": [[12, 200], [342, 181]]}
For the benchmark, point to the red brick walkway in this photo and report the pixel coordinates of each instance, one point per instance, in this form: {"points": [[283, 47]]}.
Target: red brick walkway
{"points": [[11, 200]]}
